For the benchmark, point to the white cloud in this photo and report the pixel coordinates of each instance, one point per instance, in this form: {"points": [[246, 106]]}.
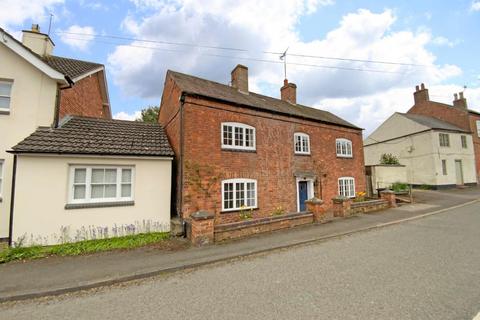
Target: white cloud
{"points": [[127, 116], [365, 98], [475, 6], [78, 37], [17, 12], [442, 41]]}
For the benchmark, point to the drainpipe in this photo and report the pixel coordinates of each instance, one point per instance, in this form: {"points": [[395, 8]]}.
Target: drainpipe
{"points": [[182, 148], [56, 117], [12, 201]]}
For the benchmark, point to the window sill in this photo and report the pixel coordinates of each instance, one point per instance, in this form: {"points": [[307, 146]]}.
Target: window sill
{"points": [[239, 210], [70, 206], [303, 154], [4, 112], [344, 157], [238, 150]]}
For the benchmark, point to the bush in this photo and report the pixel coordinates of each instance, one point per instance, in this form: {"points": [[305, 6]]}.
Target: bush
{"points": [[388, 158], [399, 186]]}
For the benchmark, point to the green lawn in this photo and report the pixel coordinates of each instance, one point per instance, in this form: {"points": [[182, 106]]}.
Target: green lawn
{"points": [[82, 247]]}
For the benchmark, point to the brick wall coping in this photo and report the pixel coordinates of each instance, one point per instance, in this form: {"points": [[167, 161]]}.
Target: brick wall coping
{"points": [[387, 191], [340, 199], [261, 221], [368, 203], [315, 201], [202, 215]]}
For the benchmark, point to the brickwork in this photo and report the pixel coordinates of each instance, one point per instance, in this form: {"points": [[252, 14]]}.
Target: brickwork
{"points": [[389, 197], [267, 224], [341, 206], [83, 99], [274, 164], [368, 206], [202, 228], [317, 208]]}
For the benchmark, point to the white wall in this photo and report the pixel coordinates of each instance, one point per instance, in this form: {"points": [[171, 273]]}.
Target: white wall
{"points": [[383, 176], [42, 193], [421, 154], [32, 105]]}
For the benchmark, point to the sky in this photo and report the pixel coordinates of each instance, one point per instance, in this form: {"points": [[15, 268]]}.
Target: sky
{"points": [[358, 59]]}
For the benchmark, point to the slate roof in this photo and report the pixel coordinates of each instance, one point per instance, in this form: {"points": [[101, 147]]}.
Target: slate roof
{"points": [[71, 67], [91, 136], [202, 87], [432, 123], [68, 67]]}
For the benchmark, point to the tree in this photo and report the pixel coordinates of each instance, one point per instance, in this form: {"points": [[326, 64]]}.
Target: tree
{"points": [[149, 114], [388, 158]]}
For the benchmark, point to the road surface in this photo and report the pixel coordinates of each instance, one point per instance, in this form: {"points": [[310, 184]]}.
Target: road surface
{"points": [[423, 269]]}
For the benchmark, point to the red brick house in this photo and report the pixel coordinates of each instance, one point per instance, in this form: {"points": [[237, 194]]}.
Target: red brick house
{"points": [[457, 114], [239, 151]]}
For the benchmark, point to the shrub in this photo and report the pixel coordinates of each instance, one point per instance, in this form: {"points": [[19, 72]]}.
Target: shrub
{"points": [[278, 211], [399, 186], [388, 158]]}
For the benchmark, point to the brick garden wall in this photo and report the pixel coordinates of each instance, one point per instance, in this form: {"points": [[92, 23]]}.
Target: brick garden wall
{"points": [[83, 99], [273, 164]]}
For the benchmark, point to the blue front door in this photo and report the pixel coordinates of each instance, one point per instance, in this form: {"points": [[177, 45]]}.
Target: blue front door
{"points": [[302, 194]]}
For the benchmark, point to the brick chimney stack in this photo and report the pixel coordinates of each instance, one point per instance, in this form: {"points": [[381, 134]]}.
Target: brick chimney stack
{"points": [[459, 101], [240, 78], [289, 92], [421, 94]]}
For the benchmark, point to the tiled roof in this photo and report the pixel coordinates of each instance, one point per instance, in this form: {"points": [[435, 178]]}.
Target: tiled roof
{"points": [[82, 135], [432, 123], [70, 67], [197, 86]]}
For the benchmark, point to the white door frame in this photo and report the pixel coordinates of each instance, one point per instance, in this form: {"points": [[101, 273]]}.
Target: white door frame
{"points": [[310, 190], [459, 170]]}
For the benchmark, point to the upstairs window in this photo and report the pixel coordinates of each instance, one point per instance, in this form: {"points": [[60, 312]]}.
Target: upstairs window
{"points": [[238, 136], [464, 142], [5, 95], [344, 148], [478, 128], [444, 139], [346, 187], [239, 194], [302, 143], [90, 184]]}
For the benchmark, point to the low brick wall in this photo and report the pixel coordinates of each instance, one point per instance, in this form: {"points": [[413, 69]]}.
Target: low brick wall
{"points": [[368, 206], [249, 227]]}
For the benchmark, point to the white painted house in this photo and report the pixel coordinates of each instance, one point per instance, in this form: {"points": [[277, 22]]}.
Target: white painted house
{"points": [[91, 179], [435, 153]]}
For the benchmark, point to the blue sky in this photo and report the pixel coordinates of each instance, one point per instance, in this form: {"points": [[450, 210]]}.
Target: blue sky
{"points": [[442, 36]]}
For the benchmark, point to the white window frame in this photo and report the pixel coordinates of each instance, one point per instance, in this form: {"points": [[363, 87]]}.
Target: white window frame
{"points": [[310, 189], [2, 176], [440, 135], [243, 127], [478, 127], [88, 184], [235, 181], [303, 137], [444, 167], [350, 179], [345, 144], [10, 82]]}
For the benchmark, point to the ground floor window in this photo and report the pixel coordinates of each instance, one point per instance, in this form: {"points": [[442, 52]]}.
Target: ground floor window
{"points": [[238, 194], [346, 187], [444, 167], [100, 184]]}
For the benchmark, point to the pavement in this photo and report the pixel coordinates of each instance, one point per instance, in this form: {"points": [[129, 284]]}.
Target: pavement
{"points": [[419, 269], [59, 275]]}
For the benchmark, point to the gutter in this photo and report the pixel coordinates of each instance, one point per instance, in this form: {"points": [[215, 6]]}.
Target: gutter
{"points": [[12, 201]]}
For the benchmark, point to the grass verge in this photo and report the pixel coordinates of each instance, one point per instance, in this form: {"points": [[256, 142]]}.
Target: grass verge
{"points": [[82, 247]]}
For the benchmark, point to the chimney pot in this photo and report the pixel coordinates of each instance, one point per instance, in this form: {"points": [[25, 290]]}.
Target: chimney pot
{"points": [[421, 95], [455, 96], [240, 78], [35, 28], [417, 88], [460, 101], [461, 95]]}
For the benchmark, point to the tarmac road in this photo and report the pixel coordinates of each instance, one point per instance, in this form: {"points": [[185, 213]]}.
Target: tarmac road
{"points": [[423, 269]]}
